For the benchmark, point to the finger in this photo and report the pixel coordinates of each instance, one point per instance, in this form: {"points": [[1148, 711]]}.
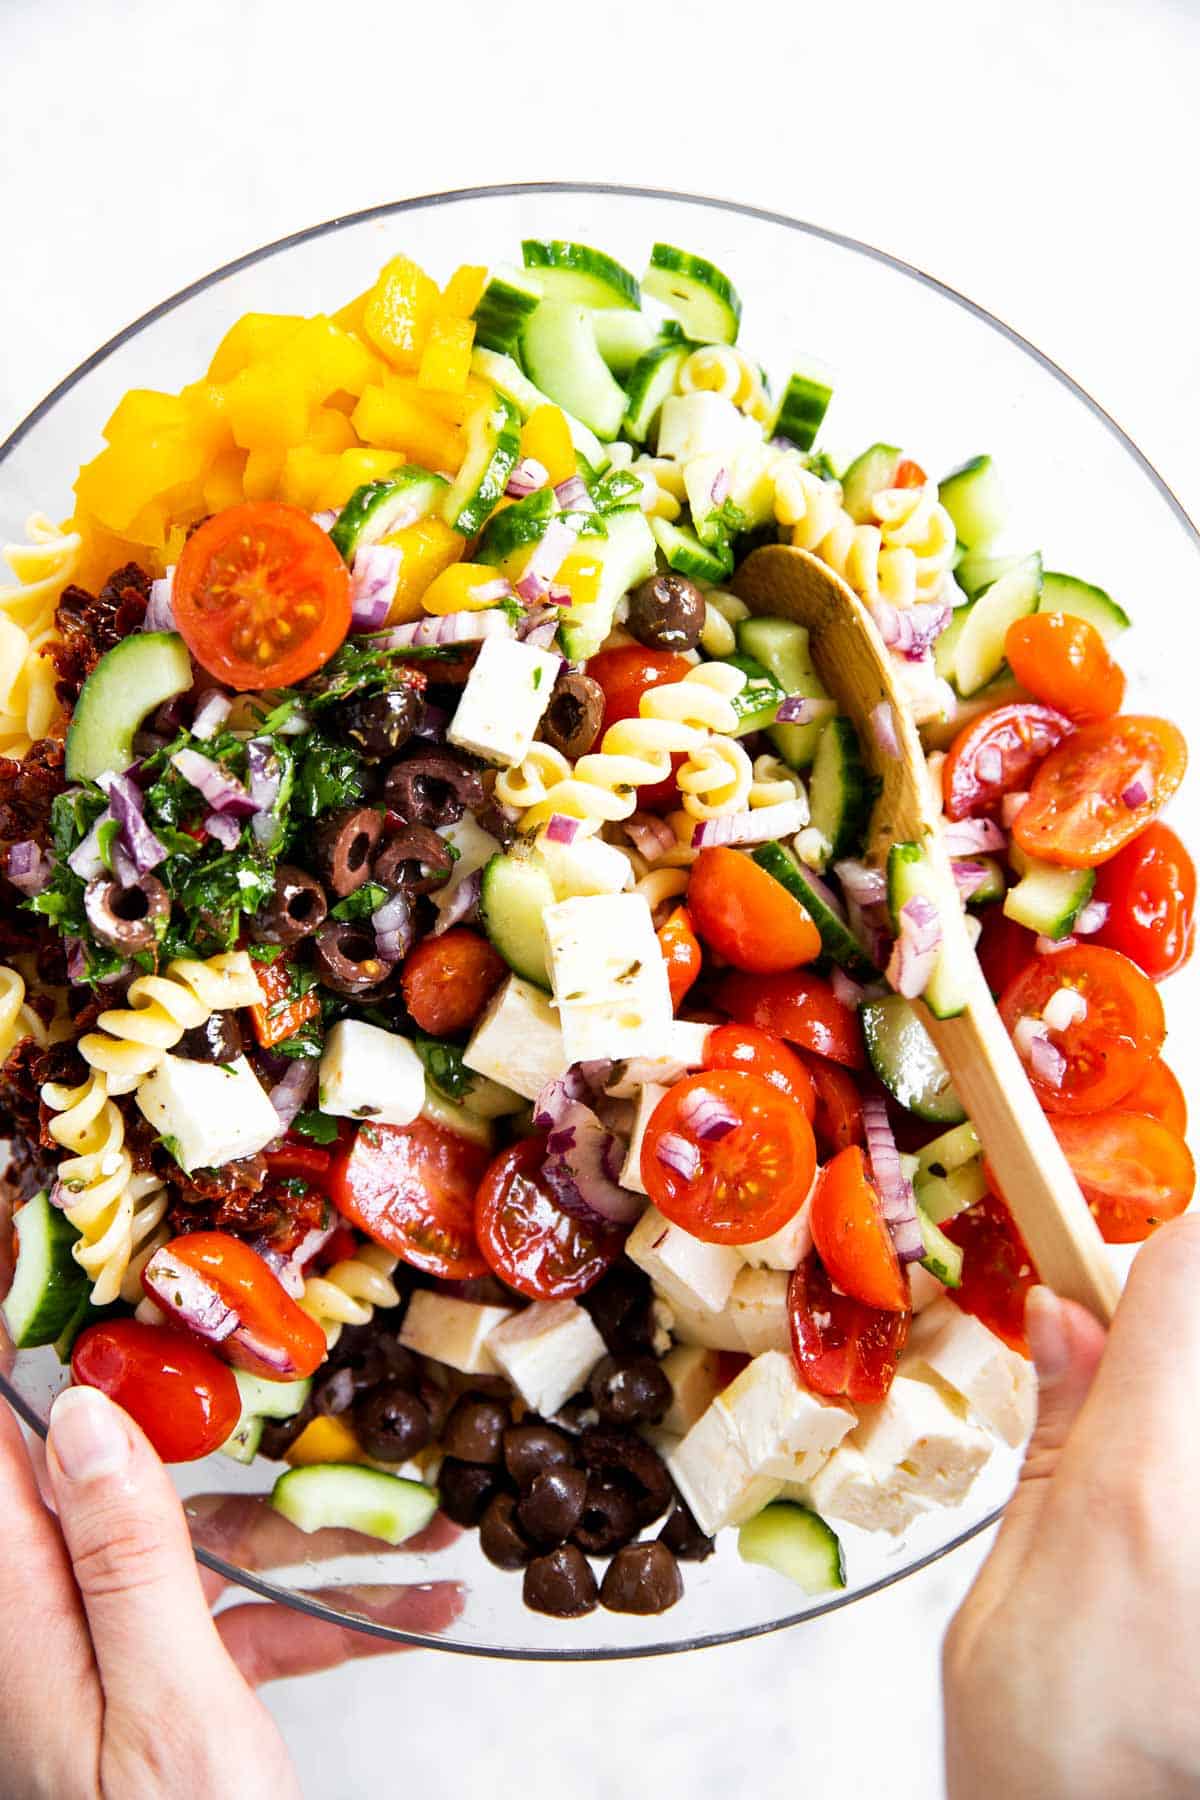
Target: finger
{"points": [[245, 1531], [269, 1643]]}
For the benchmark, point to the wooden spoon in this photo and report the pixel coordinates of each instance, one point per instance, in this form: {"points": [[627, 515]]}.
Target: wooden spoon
{"points": [[1038, 1186]]}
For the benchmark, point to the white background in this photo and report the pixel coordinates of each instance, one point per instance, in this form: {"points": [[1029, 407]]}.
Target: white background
{"points": [[1039, 155]]}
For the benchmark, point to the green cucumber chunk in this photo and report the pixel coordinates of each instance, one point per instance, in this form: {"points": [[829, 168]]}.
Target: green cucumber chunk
{"points": [[688, 556], [580, 275], [622, 337], [942, 1258], [271, 1399], [48, 1287], [353, 1498], [1046, 898], [906, 1060], [626, 557], [559, 349], [795, 1542], [493, 446], [1081, 600], [978, 569], [990, 874], [505, 304], [910, 874], [973, 497], [651, 381], [390, 504], [127, 683], [439, 1109], [783, 649], [945, 644], [837, 940], [803, 407], [839, 792], [514, 893], [758, 702], [517, 527], [703, 299], [979, 654], [510, 381], [242, 1444], [868, 475], [943, 1197], [952, 1150]]}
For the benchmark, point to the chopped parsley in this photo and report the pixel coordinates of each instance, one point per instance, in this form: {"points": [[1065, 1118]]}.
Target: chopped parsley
{"points": [[361, 903], [444, 1066], [318, 1126]]}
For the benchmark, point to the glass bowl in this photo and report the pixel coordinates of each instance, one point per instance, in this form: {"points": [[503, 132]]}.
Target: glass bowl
{"points": [[914, 364]]}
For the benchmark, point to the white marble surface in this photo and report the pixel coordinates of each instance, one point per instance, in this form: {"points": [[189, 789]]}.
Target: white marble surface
{"points": [[1039, 156]]}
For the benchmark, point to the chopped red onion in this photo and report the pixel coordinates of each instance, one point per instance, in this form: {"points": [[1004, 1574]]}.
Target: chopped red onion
{"points": [[290, 1094], [677, 1153], [753, 827], [125, 802], [28, 867], [708, 1117], [848, 992], [326, 519], [582, 1082], [556, 544], [123, 867], [85, 859], [572, 495], [1025, 1034], [527, 477], [970, 837], [189, 1296], [393, 927], [969, 878], [561, 829], [488, 593], [911, 630], [582, 1167], [160, 613], [650, 836], [1047, 1062], [895, 1189], [883, 725], [538, 627], [1091, 918], [225, 828], [1048, 946], [1139, 789], [461, 904], [718, 493], [1065, 1007], [915, 951], [1010, 806], [223, 791], [804, 709], [447, 628], [211, 714], [865, 886], [989, 763], [373, 582]]}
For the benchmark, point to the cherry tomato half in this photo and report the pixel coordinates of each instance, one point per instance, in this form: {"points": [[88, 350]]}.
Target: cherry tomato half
{"points": [[798, 1006], [448, 980], [273, 1337], [852, 1236], [838, 1120], [1149, 888], [728, 1183], [527, 1238], [681, 953], [843, 1349], [758, 1053], [412, 1188], [1065, 662], [184, 1399], [1004, 947], [748, 917], [997, 753], [297, 1161], [1158, 1094], [625, 674], [1110, 1047], [998, 1270], [1083, 805], [261, 595], [1134, 1171]]}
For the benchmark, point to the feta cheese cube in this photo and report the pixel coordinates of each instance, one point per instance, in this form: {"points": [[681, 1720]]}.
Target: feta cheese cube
{"points": [[213, 1113], [518, 1041], [505, 695], [689, 1272], [915, 1442], [547, 1351], [695, 1377], [998, 1385], [784, 1249], [609, 978], [648, 1098], [587, 866], [475, 847], [701, 423], [451, 1331], [686, 1041], [369, 1073], [758, 1310], [696, 1324], [710, 1469], [846, 1488], [784, 1430], [924, 1288]]}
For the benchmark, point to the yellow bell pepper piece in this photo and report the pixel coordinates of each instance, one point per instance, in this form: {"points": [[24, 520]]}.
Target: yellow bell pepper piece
{"points": [[397, 316], [426, 548], [263, 474], [127, 477], [144, 411], [350, 316], [392, 417], [546, 437], [325, 1440], [267, 411], [446, 359], [353, 468], [103, 551], [330, 430], [326, 360], [464, 290], [457, 589], [249, 340], [223, 482], [306, 474], [580, 572]]}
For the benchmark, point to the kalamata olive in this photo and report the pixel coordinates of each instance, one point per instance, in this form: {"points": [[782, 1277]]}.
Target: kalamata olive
{"points": [[612, 1451], [571, 721], [528, 1449], [391, 1423], [609, 1517], [278, 1435], [642, 1578], [683, 1537], [437, 1399], [373, 1354], [433, 787], [416, 859], [383, 724], [629, 1390], [347, 960], [550, 1507], [345, 845], [620, 1306], [667, 612], [475, 1430], [127, 918], [295, 910], [218, 1040], [465, 1490], [334, 1393], [500, 1536], [560, 1583]]}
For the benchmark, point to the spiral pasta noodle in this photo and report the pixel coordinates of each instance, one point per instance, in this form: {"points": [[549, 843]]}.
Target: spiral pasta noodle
{"points": [[130, 1042], [902, 558], [28, 704], [658, 886], [773, 782], [662, 484], [350, 1292], [17, 1018], [722, 369]]}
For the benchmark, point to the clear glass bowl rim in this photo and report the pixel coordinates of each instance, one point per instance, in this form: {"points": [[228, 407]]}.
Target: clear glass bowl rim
{"points": [[244, 1578]]}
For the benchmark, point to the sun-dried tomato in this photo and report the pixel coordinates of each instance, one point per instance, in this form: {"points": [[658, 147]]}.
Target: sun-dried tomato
{"points": [[27, 789], [90, 624]]}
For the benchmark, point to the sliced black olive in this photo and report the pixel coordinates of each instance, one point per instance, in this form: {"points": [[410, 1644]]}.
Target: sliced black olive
{"points": [[296, 909], [348, 961], [345, 845], [571, 721], [433, 788], [127, 918]]}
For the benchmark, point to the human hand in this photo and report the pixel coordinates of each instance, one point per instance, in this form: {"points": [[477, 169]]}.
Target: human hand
{"points": [[1070, 1668]]}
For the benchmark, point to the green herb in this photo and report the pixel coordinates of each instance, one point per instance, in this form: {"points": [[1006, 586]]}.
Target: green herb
{"points": [[316, 1125], [295, 1185], [329, 775], [106, 836], [361, 903], [171, 1144], [537, 677], [72, 816], [444, 1065], [308, 1041], [819, 464], [266, 953], [616, 491]]}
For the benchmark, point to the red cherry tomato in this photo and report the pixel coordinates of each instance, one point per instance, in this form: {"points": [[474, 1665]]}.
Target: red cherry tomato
{"points": [[1158, 1094], [1083, 805], [758, 1053], [1111, 1046], [1004, 947], [625, 675], [294, 1161], [996, 754], [739, 1186], [448, 980], [842, 1348], [800, 1007], [412, 1189], [527, 1238], [274, 1338], [852, 1236], [998, 1270], [261, 595], [1065, 662], [1134, 1171], [681, 953], [909, 474], [838, 1120], [748, 917], [184, 1399], [1149, 888]]}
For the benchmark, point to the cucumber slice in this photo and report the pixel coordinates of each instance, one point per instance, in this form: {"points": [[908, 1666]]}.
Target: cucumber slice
{"points": [[514, 893], [622, 337], [942, 1258], [493, 446], [440, 1110], [626, 557], [703, 299], [794, 1542], [867, 476], [803, 406], [509, 380], [353, 1498], [85, 1314], [839, 794], [559, 350], [378, 507], [579, 275], [242, 1444], [783, 648], [1047, 899], [943, 1197], [909, 873], [516, 527], [760, 699], [505, 304], [271, 1399], [48, 1286], [837, 940], [977, 570], [1066, 594], [651, 381], [973, 497], [127, 683], [945, 644], [992, 881], [686, 554], [952, 1150], [905, 1058], [980, 651]]}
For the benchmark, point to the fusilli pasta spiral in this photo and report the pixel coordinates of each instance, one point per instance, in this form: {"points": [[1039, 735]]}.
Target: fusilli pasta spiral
{"points": [[130, 1042], [721, 369], [349, 1292], [902, 558], [17, 1018], [658, 886], [28, 705], [774, 783]]}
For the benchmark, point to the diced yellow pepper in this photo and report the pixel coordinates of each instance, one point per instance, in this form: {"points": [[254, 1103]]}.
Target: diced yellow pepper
{"points": [[208, 415], [263, 474], [350, 316], [426, 548], [446, 359], [103, 551], [250, 339], [397, 315], [392, 417], [330, 429], [325, 1440], [129, 476], [326, 360], [464, 290], [266, 411], [223, 482], [144, 411], [458, 589], [307, 473], [546, 437], [580, 572], [353, 468]]}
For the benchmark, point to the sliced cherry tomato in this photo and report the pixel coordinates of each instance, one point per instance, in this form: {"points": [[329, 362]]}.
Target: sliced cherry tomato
{"points": [[1158, 1094], [758, 1053], [748, 917], [1085, 802], [1004, 947], [1134, 1171], [447, 981], [283, 1010], [412, 1189], [273, 1337], [1107, 1050], [997, 753], [261, 595], [842, 1348], [184, 1399], [625, 674], [800, 1007], [681, 953], [527, 1238], [299, 1162], [909, 474], [1149, 888], [852, 1236], [838, 1121], [1065, 662], [998, 1270], [728, 1184]]}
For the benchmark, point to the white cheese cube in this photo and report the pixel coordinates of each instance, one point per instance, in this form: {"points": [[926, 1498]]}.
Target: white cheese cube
{"points": [[924, 1288], [689, 1272], [915, 1442], [547, 1351], [369, 1073], [845, 1488], [609, 978], [213, 1113], [758, 1310], [505, 695], [695, 1324], [784, 1249], [474, 845], [701, 423], [998, 1385], [695, 1377], [686, 1042], [648, 1098], [710, 1469], [587, 866], [517, 1041], [451, 1331], [784, 1430]]}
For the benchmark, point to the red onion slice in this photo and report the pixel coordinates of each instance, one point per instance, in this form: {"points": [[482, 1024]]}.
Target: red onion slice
{"points": [[1048, 946], [125, 802], [1065, 1007], [188, 1296], [650, 836], [989, 763], [804, 709], [757, 826], [915, 952], [582, 1165], [883, 725], [326, 519], [1047, 1062], [447, 628], [1139, 789], [85, 859], [969, 877], [848, 992], [867, 887], [528, 476], [290, 1094], [1091, 918], [490, 593], [895, 1189], [708, 1117], [572, 495], [225, 828], [677, 1153], [555, 545], [393, 927], [223, 791], [210, 715], [160, 612], [561, 829], [969, 837], [911, 630], [460, 906], [28, 867], [373, 582], [718, 493]]}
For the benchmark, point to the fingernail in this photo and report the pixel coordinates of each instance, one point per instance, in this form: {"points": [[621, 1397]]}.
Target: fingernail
{"points": [[1045, 1326], [87, 1435]]}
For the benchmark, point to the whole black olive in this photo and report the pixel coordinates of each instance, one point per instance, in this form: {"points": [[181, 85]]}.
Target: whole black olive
{"points": [[550, 1507], [347, 959], [629, 1390], [500, 1536], [383, 724], [609, 1517], [571, 721], [642, 1578], [474, 1432], [528, 1449], [620, 1306], [465, 1490], [391, 1423], [560, 1583], [611, 1451], [218, 1040], [667, 612], [295, 910], [683, 1537]]}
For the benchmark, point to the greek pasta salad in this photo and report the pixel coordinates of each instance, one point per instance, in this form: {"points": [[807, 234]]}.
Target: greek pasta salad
{"points": [[455, 1039]]}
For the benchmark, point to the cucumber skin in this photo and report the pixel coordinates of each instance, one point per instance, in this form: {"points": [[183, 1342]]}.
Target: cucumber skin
{"points": [[1083, 600], [59, 1292], [687, 555], [843, 825], [500, 874], [100, 735], [837, 941], [308, 1497], [797, 1543], [943, 1258], [869, 474], [720, 298], [879, 1023], [549, 256], [782, 649], [944, 997], [467, 509], [971, 495]]}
